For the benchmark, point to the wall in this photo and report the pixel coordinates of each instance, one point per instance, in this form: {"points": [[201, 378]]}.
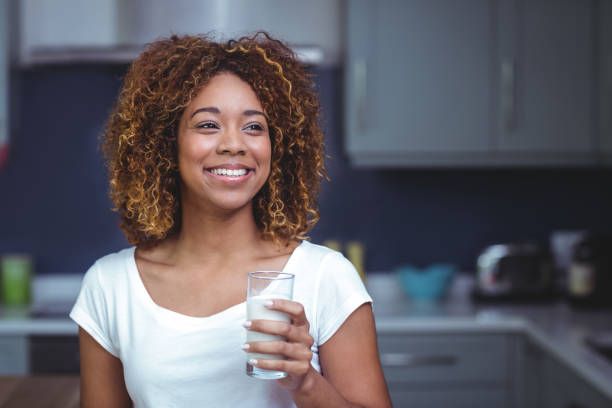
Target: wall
{"points": [[54, 196]]}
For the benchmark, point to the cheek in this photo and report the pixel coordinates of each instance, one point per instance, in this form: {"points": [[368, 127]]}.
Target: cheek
{"points": [[192, 148], [262, 151]]}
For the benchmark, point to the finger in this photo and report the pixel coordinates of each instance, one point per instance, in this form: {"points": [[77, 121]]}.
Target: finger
{"points": [[293, 351], [291, 332], [294, 309], [291, 367]]}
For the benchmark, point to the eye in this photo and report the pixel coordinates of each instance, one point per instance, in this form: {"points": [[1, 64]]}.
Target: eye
{"points": [[207, 125], [254, 127]]}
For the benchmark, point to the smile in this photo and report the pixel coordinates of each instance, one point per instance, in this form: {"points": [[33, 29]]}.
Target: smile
{"points": [[229, 172]]}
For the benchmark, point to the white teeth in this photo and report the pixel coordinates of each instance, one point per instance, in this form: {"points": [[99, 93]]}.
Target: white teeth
{"points": [[229, 172]]}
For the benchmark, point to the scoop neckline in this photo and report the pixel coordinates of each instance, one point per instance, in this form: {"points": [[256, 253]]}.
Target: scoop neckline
{"points": [[172, 316]]}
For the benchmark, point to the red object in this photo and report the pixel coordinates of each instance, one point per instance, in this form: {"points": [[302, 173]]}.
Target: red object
{"points": [[4, 151]]}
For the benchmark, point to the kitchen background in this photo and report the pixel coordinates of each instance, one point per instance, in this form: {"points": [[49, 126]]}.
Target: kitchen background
{"points": [[54, 202], [450, 126], [54, 190]]}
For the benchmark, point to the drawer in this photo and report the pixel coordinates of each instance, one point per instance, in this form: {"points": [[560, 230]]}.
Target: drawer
{"points": [[13, 355], [419, 358], [54, 355], [450, 398]]}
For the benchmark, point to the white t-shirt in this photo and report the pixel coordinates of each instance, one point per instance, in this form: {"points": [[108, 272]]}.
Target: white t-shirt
{"points": [[174, 360]]}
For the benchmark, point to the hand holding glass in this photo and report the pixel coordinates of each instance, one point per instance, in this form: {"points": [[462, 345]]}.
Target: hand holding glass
{"points": [[264, 286]]}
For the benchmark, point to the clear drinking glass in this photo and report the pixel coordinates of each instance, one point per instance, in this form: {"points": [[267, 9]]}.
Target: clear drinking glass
{"points": [[263, 286]]}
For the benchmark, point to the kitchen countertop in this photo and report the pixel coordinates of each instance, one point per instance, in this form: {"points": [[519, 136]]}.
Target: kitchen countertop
{"points": [[554, 326], [44, 391]]}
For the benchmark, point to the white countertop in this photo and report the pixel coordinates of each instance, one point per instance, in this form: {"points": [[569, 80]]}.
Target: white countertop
{"points": [[556, 327]]}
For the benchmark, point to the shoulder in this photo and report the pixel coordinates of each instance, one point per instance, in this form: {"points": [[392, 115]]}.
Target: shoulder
{"points": [[318, 252], [110, 268], [325, 263], [323, 256]]}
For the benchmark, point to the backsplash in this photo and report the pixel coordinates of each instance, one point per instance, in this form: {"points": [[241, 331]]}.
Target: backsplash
{"points": [[54, 201]]}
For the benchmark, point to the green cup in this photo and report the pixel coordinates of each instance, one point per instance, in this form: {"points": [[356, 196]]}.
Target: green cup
{"points": [[15, 279]]}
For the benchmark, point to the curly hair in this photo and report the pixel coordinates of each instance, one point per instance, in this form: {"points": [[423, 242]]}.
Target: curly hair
{"points": [[140, 138]]}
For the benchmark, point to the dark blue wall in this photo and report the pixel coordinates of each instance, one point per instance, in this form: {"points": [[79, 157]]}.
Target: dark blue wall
{"points": [[54, 195]]}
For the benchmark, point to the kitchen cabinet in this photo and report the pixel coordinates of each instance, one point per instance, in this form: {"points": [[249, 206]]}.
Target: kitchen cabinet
{"points": [[115, 31], [545, 64], [39, 354], [417, 81], [54, 354], [4, 82], [549, 383], [449, 370], [480, 83], [13, 355], [605, 78], [74, 24]]}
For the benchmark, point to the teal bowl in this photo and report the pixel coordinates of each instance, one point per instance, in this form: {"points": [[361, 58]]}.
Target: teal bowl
{"points": [[425, 284]]}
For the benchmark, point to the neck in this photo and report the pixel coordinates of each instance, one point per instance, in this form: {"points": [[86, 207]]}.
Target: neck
{"points": [[207, 236]]}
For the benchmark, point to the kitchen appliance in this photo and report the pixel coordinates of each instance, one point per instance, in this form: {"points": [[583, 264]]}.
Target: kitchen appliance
{"points": [[589, 275], [514, 271]]}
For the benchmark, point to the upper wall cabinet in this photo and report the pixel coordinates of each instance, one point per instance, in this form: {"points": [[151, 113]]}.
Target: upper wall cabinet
{"points": [[605, 79], [117, 30], [4, 81], [473, 83], [418, 87]]}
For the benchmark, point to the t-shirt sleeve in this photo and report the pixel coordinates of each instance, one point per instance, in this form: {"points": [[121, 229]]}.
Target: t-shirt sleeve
{"points": [[91, 310], [340, 292]]}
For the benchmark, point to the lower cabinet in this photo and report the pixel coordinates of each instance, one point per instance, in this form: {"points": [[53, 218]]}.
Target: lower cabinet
{"points": [[14, 355], [22, 355], [448, 370], [447, 397], [54, 355], [492, 370], [550, 383]]}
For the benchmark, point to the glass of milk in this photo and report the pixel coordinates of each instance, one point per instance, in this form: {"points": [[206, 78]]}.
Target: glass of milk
{"points": [[263, 286]]}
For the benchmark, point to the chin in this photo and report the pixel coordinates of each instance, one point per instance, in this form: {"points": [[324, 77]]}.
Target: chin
{"points": [[232, 205]]}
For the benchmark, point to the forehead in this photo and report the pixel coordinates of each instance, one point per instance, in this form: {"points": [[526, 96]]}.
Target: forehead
{"points": [[227, 87]]}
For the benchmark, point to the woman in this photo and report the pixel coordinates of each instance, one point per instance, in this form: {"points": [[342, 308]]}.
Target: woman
{"points": [[215, 157]]}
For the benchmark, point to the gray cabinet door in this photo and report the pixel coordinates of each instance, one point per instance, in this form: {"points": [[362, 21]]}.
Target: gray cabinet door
{"points": [[4, 77], [550, 383], [489, 397], [444, 359], [605, 78], [13, 355], [417, 80], [446, 370], [545, 74], [562, 387]]}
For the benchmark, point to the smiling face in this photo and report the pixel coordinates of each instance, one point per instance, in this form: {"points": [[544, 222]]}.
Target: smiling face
{"points": [[223, 146]]}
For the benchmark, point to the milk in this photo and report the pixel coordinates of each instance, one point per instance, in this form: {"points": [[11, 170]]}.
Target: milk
{"points": [[257, 311]]}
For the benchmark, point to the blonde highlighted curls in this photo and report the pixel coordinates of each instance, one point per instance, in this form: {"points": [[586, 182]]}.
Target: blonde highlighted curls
{"points": [[139, 142]]}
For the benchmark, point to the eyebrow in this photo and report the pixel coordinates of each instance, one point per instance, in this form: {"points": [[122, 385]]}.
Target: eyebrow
{"points": [[212, 109]]}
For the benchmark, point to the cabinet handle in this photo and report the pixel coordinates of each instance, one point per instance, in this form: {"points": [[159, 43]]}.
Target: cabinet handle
{"points": [[409, 360], [508, 79], [360, 72]]}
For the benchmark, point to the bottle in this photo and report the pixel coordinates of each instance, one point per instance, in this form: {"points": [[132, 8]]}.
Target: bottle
{"points": [[355, 253], [589, 276]]}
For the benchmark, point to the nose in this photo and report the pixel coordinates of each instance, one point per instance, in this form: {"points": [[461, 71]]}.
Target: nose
{"points": [[232, 142]]}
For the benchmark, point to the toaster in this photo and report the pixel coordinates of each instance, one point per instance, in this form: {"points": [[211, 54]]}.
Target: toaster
{"points": [[516, 270]]}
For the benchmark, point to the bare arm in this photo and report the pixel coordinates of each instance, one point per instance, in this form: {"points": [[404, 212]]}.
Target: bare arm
{"points": [[102, 382], [349, 361], [352, 375]]}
